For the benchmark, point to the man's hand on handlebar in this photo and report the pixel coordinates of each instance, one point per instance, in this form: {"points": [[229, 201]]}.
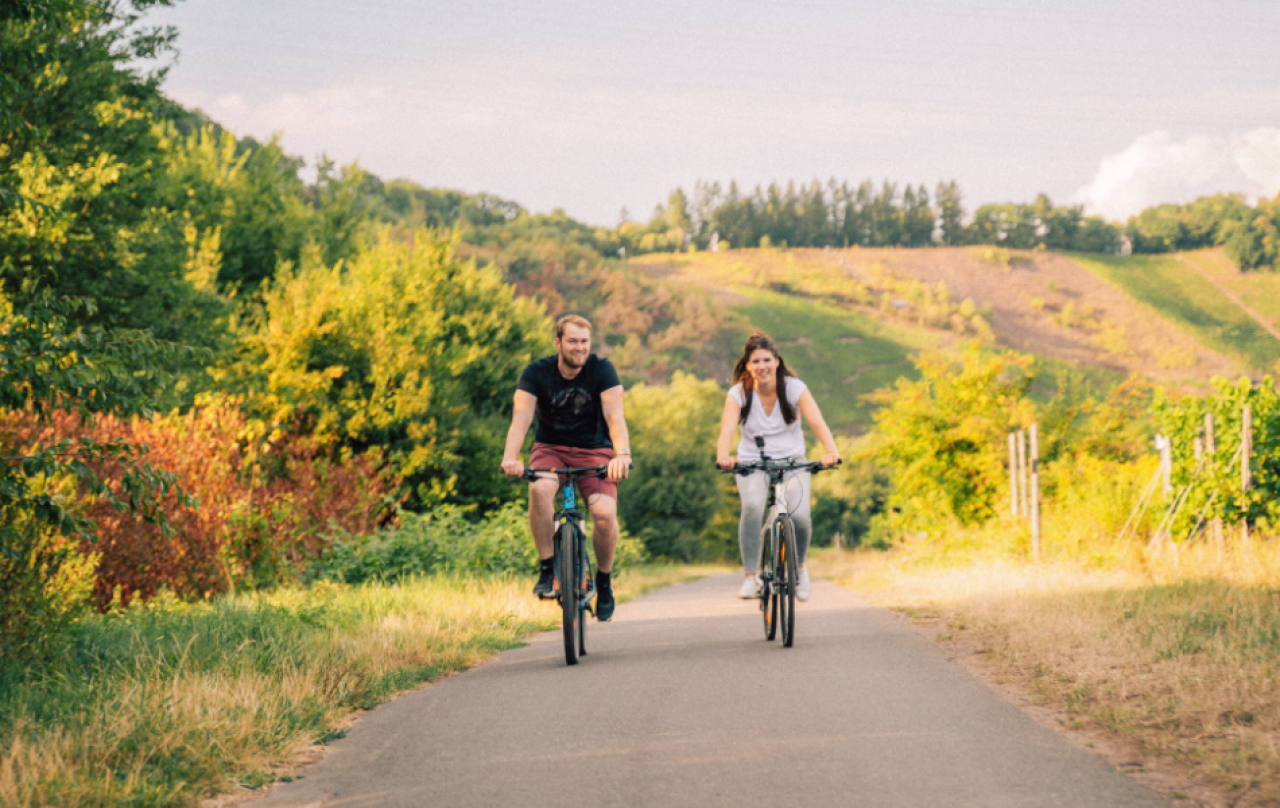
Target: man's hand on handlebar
{"points": [[620, 467], [513, 468]]}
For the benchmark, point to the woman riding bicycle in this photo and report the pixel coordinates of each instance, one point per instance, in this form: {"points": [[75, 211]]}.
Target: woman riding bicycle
{"points": [[766, 400]]}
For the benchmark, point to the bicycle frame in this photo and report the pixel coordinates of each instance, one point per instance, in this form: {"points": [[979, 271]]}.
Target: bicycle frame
{"points": [[570, 514], [778, 577], [574, 572]]}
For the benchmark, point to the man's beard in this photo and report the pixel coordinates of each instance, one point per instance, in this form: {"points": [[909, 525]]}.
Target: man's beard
{"points": [[569, 361]]}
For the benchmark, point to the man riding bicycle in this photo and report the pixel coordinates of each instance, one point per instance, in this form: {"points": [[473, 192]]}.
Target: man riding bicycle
{"points": [[578, 400]]}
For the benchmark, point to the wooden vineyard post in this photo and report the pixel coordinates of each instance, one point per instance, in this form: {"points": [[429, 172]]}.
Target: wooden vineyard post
{"points": [[1023, 475], [1246, 474], [1211, 448], [1035, 492], [1013, 475], [1165, 445]]}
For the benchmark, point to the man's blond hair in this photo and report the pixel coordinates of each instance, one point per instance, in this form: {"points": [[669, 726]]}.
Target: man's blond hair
{"points": [[571, 319]]}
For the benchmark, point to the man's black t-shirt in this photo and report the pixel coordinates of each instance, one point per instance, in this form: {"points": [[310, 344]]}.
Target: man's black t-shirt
{"points": [[569, 410]]}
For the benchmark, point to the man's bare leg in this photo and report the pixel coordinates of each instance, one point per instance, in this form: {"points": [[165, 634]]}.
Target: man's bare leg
{"points": [[604, 534], [542, 501]]}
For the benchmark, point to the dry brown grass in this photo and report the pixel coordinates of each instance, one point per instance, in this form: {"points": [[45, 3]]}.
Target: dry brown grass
{"points": [[1180, 662], [172, 702]]}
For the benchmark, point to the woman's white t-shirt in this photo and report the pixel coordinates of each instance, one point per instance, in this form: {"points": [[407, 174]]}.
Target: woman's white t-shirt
{"points": [[781, 440]]}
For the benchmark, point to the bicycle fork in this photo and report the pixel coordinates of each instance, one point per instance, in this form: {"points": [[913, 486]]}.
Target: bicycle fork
{"points": [[769, 539]]}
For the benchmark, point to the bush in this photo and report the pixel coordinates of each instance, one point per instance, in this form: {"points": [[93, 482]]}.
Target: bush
{"points": [[845, 501], [675, 490], [404, 348], [261, 515], [944, 435], [444, 541]]}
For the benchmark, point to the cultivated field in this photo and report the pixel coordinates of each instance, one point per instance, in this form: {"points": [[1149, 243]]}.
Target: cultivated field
{"points": [[1178, 319]]}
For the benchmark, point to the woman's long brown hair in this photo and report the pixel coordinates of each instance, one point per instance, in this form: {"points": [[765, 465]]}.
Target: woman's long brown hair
{"points": [[757, 342]]}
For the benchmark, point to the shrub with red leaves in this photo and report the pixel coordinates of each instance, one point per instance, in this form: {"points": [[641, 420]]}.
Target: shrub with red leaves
{"points": [[263, 509]]}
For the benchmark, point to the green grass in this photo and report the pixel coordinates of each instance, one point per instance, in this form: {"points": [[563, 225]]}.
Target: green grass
{"points": [[1183, 295], [842, 355], [168, 703]]}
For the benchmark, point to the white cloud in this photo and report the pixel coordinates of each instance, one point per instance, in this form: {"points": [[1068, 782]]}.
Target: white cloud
{"points": [[1157, 169]]}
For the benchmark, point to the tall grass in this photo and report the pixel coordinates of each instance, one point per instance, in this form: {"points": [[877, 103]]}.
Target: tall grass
{"points": [[1175, 653], [162, 704]]}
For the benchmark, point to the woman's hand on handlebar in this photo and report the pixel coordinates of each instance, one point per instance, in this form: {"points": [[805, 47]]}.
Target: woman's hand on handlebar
{"points": [[513, 468], [726, 461], [830, 459]]}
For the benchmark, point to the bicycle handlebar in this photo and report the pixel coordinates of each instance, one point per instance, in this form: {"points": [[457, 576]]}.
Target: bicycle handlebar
{"points": [[776, 465], [574, 472]]}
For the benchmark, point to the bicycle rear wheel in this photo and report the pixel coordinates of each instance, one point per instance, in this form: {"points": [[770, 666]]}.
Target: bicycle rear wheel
{"points": [[568, 579], [768, 594], [789, 575]]}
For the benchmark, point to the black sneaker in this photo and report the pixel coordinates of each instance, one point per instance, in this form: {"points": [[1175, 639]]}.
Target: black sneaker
{"points": [[604, 597], [546, 586]]}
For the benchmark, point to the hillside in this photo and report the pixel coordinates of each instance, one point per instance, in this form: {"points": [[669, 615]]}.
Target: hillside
{"points": [[851, 319], [1235, 313]]}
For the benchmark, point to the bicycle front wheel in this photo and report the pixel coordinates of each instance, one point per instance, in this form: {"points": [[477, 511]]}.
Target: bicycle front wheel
{"points": [[584, 579], [768, 592], [566, 558], [788, 576]]}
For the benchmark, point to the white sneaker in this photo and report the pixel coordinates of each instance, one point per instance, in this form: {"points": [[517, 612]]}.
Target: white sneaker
{"points": [[750, 587], [802, 585]]}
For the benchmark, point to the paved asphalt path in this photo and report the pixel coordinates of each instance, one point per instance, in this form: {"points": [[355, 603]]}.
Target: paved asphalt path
{"points": [[680, 701]]}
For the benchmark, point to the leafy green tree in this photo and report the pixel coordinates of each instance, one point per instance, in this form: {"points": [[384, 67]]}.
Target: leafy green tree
{"points": [[77, 136], [917, 218], [1207, 222], [944, 434], [1255, 242], [950, 212], [403, 348], [675, 490], [241, 199]]}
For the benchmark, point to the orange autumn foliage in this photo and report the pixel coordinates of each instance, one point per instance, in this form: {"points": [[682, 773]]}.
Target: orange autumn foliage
{"points": [[260, 515]]}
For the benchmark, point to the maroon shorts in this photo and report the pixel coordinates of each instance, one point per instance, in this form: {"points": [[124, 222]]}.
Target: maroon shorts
{"points": [[547, 456]]}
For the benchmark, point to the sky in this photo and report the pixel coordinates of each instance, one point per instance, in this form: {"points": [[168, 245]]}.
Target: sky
{"points": [[594, 106]]}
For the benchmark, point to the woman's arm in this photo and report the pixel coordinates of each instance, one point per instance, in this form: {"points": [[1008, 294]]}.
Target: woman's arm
{"points": [[809, 409], [728, 423]]}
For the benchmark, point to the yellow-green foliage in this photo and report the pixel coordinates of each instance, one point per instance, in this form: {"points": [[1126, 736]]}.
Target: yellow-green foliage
{"points": [[405, 348], [675, 491], [996, 256], [944, 435], [1213, 480]]}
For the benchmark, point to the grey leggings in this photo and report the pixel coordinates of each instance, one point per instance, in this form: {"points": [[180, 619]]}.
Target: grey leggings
{"points": [[753, 490]]}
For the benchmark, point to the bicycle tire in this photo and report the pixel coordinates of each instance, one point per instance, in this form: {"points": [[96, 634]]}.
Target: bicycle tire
{"points": [[768, 595], [790, 571], [584, 576], [568, 579]]}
